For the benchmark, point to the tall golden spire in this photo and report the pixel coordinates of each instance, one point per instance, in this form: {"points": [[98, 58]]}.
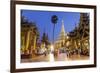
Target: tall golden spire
{"points": [[61, 39], [62, 33]]}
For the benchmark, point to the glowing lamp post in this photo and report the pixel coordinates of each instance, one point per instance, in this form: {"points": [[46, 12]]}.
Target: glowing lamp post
{"points": [[51, 54], [52, 48]]}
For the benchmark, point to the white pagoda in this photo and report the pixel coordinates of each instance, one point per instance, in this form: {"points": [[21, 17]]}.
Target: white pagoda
{"points": [[61, 38]]}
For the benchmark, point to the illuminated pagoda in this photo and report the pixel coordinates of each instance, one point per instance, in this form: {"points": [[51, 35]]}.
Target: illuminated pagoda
{"points": [[60, 42]]}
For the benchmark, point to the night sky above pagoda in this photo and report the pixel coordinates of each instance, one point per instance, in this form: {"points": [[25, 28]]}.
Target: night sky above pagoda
{"points": [[44, 24]]}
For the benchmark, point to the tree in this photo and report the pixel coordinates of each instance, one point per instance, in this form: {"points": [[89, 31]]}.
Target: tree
{"points": [[54, 20]]}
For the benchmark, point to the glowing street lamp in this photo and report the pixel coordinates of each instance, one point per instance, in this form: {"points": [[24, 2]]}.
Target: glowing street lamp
{"points": [[52, 48], [51, 53]]}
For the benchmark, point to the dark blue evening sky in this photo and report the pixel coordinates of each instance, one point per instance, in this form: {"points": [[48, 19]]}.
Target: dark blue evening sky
{"points": [[43, 21]]}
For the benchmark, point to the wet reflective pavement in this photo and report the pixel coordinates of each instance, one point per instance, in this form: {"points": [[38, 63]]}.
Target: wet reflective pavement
{"points": [[50, 58]]}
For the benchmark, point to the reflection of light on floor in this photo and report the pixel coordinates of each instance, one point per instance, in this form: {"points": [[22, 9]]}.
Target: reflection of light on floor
{"points": [[51, 54], [51, 57]]}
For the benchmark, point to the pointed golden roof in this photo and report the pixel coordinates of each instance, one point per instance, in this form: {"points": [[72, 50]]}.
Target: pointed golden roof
{"points": [[62, 33]]}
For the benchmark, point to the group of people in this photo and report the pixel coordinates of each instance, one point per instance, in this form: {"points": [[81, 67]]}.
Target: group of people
{"points": [[70, 52]]}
